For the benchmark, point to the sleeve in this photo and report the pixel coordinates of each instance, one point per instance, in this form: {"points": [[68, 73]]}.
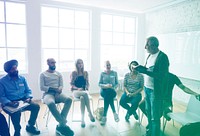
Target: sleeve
{"points": [[116, 80], [101, 80], [141, 81], [177, 81], [42, 83], [60, 81], [87, 80], [72, 79], [125, 80], [27, 90], [3, 98]]}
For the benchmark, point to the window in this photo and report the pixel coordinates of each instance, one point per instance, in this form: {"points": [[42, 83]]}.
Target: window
{"points": [[118, 40], [65, 37], [13, 43]]}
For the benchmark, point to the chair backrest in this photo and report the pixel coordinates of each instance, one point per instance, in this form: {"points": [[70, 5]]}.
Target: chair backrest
{"points": [[193, 105]]}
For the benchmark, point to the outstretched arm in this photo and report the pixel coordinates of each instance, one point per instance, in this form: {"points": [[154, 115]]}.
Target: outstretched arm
{"points": [[187, 90]]}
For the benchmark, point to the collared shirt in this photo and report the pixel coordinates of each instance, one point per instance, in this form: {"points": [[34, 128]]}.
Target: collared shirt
{"points": [[11, 89]]}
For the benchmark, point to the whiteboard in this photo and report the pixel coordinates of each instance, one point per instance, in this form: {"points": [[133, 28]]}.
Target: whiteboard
{"points": [[183, 50]]}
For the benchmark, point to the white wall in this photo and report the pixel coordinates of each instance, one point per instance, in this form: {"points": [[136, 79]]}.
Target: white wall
{"points": [[182, 17], [34, 47]]}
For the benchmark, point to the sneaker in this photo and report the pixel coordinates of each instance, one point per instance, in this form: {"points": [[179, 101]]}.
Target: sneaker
{"points": [[33, 130], [64, 131], [116, 117], [82, 124], [127, 117], [103, 120]]}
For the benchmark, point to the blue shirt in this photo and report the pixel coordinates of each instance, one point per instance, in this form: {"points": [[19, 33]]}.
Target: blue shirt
{"points": [[11, 89]]}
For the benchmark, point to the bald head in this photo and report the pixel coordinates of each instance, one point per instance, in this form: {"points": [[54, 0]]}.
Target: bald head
{"points": [[51, 63]]}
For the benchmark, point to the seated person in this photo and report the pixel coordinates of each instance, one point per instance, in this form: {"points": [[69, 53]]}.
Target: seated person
{"points": [[51, 82], [133, 85], [190, 129], [172, 80], [4, 130], [14, 88], [79, 86], [108, 83]]}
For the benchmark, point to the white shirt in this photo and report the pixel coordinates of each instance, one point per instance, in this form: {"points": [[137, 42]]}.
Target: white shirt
{"points": [[149, 81]]}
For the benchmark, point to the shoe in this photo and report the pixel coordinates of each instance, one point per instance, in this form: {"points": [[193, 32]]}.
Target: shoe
{"points": [[83, 124], [165, 114], [127, 117], [103, 120], [64, 131], [136, 116], [33, 130], [116, 117], [92, 119]]}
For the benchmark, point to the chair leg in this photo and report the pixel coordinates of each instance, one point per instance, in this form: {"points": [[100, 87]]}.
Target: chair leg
{"points": [[74, 120]]}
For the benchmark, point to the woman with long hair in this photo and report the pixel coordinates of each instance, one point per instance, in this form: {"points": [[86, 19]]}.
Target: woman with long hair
{"points": [[79, 87]]}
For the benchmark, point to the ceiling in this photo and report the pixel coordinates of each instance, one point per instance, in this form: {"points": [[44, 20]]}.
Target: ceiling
{"points": [[138, 6]]}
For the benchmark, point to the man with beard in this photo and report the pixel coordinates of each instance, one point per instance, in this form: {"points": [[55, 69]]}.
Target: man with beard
{"points": [[14, 88], [51, 83]]}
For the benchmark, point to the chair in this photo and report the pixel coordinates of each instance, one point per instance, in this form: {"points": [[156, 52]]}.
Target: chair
{"points": [[115, 99], [191, 115], [78, 100]]}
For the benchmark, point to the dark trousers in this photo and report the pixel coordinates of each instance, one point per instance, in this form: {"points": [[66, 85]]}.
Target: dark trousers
{"points": [[16, 117], [4, 130], [108, 95], [134, 101]]}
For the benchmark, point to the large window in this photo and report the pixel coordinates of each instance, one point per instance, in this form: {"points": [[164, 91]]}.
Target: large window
{"points": [[65, 37], [13, 43], [118, 39]]}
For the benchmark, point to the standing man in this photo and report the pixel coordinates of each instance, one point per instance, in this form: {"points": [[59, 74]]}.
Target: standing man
{"points": [[155, 81], [51, 83], [14, 88]]}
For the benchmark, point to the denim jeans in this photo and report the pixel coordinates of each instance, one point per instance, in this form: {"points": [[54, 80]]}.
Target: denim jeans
{"points": [[154, 111], [134, 101]]}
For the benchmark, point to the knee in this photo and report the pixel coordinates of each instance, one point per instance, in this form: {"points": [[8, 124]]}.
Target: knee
{"points": [[68, 101], [36, 106]]}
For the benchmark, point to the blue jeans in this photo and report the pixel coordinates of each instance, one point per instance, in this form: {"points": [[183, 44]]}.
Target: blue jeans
{"points": [[134, 101], [154, 108]]}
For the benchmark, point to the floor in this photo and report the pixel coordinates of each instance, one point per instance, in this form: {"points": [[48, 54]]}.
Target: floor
{"points": [[112, 128]]}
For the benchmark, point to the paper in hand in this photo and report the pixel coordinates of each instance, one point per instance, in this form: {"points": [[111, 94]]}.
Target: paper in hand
{"points": [[141, 68]]}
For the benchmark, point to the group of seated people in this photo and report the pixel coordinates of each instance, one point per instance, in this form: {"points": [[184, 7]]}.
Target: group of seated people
{"points": [[14, 88]]}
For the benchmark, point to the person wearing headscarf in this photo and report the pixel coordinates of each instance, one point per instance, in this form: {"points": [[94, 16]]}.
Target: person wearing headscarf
{"points": [[14, 88]]}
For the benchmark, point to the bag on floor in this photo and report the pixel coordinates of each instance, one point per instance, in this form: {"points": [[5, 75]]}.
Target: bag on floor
{"points": [[99, 113]]}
